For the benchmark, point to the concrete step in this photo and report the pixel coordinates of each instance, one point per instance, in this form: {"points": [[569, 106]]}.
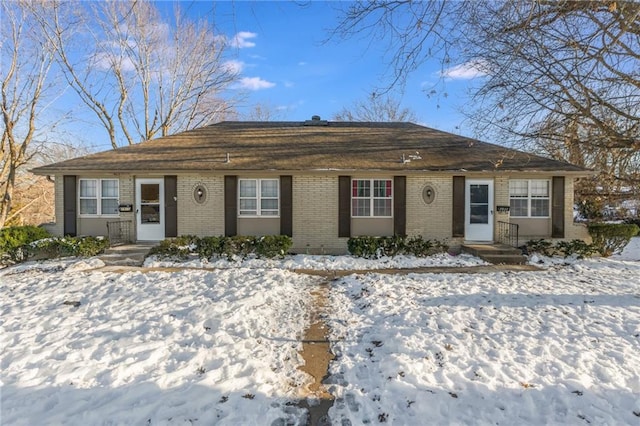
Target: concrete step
{"points": [[122, 260], [495, 253], [504, 259], [129, 249], [127, 255]]}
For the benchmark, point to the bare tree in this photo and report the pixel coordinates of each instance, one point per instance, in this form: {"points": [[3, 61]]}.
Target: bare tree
{"points": [[263, 112], [26, 63], [33, 196], [143, 77], [412, 32], [564, 78], [561, 76], [376, 108]]}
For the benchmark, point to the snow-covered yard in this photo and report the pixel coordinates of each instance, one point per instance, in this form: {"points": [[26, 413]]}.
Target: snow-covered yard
{"points": [[190, 347], [221, 346]]}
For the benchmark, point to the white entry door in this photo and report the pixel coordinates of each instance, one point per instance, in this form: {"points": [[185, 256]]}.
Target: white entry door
{"points": [[150, 209], [479, 210]]}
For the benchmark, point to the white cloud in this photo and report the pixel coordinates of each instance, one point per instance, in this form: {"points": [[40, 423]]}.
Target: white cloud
{"points": [[255, 83], [241, 39], [302, 63], [233, 66], [107, 61], [289, 84], [466, 71]]}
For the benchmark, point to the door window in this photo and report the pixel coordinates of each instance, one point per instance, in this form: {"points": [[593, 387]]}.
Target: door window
{"points": [[479, 203], [149, 203]]}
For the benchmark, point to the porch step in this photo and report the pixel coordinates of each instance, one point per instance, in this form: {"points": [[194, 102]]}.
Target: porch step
{"points": [[496, 253], [127, 255]]}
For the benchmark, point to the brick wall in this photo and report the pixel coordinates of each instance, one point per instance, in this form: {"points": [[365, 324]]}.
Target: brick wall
{"points": [[432, 221], [205, 219], [315, 215]]}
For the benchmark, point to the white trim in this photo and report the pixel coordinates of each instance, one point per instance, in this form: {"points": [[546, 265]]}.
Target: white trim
{"points": [[529, 198], [481, 232], [150, 231], [371, 197], [258, 199], [98, 198]]}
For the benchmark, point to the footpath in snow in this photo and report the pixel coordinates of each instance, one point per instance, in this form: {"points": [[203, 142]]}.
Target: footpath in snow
{"points": [[221, 346]]}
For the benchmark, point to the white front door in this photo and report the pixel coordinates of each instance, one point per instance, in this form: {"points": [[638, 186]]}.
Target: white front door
{"points": [[479, 210], [150, 209]]}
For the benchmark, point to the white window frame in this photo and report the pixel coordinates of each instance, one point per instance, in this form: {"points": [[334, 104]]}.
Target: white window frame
{"points": [[371, 197], [259, 211], [529, 197], [98, 197]]}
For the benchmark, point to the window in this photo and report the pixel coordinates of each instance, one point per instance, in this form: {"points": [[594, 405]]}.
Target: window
{"points": [[99, 197], [258, 197], [371, 198], [529, 198]]}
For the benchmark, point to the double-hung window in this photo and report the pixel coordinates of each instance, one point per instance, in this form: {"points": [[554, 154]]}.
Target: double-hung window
{"points": [[529, 198], [371, 198], [258, 197], [99, 197]]}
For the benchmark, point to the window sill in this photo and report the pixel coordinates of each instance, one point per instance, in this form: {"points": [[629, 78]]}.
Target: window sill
{"points": [[371, 217]]}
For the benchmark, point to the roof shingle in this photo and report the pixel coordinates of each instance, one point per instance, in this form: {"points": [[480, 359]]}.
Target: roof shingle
{"points": [[294, 146]]}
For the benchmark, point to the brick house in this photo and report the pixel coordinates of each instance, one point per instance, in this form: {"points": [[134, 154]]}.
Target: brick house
{"points": [[319, 182]]}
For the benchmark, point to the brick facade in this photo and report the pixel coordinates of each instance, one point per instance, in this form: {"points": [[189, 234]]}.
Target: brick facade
{"points": [[315, 208]]}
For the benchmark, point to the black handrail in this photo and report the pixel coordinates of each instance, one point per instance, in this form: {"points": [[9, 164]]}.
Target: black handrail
{"points": [[508, 233], [119, 232]]}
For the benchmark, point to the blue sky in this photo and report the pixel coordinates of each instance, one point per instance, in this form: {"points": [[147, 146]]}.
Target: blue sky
{"points": [[288, 65]]}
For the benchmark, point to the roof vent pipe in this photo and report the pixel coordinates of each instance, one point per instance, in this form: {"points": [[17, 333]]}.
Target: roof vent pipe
{"points": [[316, 121]]}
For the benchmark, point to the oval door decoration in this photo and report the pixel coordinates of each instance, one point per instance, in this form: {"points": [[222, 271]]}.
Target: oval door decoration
{"points": [[200, 194], [428, 194]]}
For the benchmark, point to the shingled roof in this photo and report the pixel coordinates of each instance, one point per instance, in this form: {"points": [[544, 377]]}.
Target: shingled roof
{"points": [[314, 145]]}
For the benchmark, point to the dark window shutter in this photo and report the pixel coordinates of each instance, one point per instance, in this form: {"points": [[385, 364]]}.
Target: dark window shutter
{"points": [[457, 213], [70, 203], [230, 206], [286, 206], [344, 206], [170, 206], [400, 205], [557, 207]]}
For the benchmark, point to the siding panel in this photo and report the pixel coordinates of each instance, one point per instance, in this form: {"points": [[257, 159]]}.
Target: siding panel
{"points": [[458, 206], [400, 205], [70, 202], [344, 206], [230, 206], [171, 206], [557, 207], [286, 206]]}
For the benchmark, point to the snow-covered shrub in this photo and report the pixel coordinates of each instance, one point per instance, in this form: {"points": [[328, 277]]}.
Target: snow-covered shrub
{"points": [[575, 247], [13, 239], [230, 247], [562, 248], [376, 247], [179, 247], [49, 248], [543, 247], [611, 238], [273, 245]]}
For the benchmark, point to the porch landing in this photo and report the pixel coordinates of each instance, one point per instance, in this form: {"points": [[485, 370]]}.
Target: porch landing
{"points": [[126, 255], [496, 253]]}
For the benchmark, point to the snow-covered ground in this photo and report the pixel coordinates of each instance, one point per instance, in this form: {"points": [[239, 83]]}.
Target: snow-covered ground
{"points": [[221, 346], [194, 347], [330, 263]]}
